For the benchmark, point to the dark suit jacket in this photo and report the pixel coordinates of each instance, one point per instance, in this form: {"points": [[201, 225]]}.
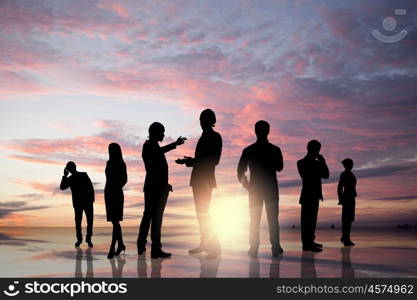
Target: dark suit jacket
{"points": [[264, 160], [206, 158], [81, 188], [156, 165], [311, 172]]}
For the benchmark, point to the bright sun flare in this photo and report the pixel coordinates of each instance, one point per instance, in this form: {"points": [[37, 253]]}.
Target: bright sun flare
{"points": [[230, 217]]}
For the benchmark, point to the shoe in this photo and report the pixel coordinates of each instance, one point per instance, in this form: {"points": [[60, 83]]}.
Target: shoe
{"points": [[347, 242], [90, 244], [199, 249], [253, 253], [312, 249], [120, 249], [160, 254], [317, 245], [141, 250], [111, 253], [277, 251], [78, 243]]}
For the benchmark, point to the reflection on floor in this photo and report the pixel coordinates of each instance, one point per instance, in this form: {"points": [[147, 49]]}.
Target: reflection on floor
{"points": [[49, 252]]}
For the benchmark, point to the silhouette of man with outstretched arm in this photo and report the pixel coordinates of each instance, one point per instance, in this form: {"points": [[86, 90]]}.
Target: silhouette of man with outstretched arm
{"points": [[312, 168], [82, 199], [207, 156], [156, 189], [264, 160]]}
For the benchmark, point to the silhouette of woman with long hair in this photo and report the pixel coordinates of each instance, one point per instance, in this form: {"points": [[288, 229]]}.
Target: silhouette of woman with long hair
{"points": [[346, 191], [116, 178]]}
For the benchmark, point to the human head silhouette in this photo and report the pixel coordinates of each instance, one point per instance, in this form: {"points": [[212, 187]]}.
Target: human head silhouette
{"points": [[207, 119], [262, 129], [347, 163], [115, 152], [156, 131], [313, 147], [71, 167]]}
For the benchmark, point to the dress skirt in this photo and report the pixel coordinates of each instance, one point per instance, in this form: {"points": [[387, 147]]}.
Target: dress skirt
{"points": [[114, 200]]}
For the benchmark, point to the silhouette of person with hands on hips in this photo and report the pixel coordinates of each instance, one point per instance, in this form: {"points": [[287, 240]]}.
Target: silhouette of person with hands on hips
{"points": [[156, 189], [346, 191], [312, 168], [264, 160], [207, 156], [116, 178], [82, 199]]}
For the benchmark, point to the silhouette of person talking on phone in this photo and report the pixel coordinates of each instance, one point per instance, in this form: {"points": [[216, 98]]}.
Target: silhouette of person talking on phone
{"points": [[312, 168], [82, 199]]}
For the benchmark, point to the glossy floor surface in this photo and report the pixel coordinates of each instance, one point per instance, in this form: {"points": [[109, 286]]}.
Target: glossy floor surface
{"points": [[50, 252]]}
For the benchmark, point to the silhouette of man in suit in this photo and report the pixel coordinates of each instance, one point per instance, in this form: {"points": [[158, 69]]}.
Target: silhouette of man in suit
{"points": [[264, 160], [156, 189], [312, 168], [207, 156], [82, 199]]}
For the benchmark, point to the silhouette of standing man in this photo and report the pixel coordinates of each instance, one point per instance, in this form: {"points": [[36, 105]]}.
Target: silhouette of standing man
{"points": [[264, 160], [82, 199], [156, 189], [207, 156], [312, 168]]}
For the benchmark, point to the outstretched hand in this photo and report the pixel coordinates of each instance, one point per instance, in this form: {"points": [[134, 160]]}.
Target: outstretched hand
{"points": [[182, 161], [181, 140]]}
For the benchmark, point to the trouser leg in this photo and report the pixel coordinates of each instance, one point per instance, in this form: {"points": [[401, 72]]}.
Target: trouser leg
{"points": [[202, 197], [89, 213], [78, 211], [160, 203], [346, 227], [315, 211], [146, 221], [305, 238], [255, 210], [272, 211]]}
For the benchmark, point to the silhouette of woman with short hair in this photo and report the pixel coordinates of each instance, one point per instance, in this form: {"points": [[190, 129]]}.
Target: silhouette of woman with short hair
{"points": [[116, 178], [156, 189], [346, 191]]}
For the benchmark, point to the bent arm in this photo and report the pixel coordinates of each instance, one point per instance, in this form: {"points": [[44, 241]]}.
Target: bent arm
{"points": [[324, 170], [64, 183]]}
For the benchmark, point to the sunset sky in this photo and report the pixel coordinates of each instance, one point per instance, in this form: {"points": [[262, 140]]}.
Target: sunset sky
{"points": [[78, 75]]}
